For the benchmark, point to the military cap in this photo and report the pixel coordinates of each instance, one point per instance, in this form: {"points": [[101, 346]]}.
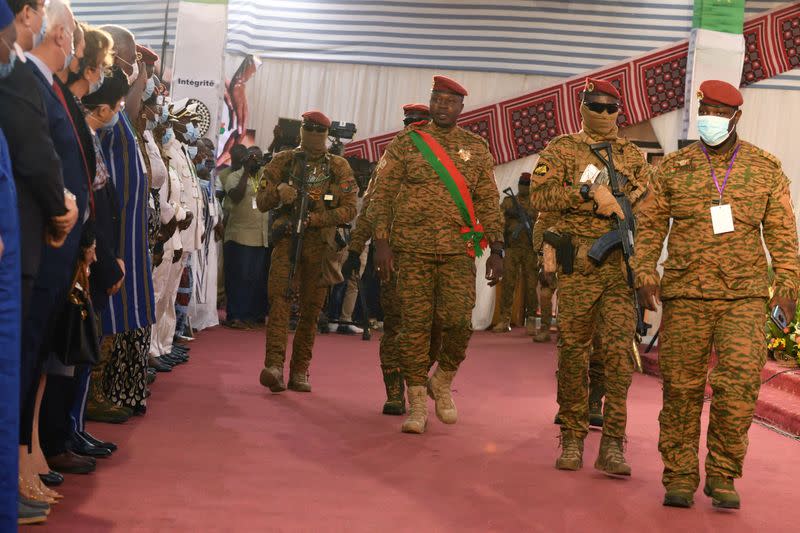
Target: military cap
{"points": [[596, 85], [525, 178], [317, 117], [445, 84], [6, 16], [717, 92], [149, 57], [419, 108]]}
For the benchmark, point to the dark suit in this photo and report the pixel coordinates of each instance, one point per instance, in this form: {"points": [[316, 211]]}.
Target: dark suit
{"points": [[36, 167], [58, 264]]}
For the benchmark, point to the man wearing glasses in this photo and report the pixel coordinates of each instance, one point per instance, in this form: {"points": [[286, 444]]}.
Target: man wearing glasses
{"points": [[332, 192], [567, 178]]}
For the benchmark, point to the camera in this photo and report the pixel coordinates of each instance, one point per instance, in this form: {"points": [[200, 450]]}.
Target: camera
{"points": [[339, 131]]}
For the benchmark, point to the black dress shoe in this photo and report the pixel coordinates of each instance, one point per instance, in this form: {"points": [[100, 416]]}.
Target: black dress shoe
{"points": [[52, 479], [70, 463], [180, 348], [159, 364], [97, 442], [176, 359], [81, 446], [151, 377], [140, 410]]}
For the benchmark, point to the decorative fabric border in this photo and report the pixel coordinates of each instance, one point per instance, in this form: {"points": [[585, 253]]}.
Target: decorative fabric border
{"points": [[650, 85]]}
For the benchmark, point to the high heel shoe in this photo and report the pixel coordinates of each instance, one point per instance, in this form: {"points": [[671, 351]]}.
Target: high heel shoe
{"points": [[32, 492], [50, 493]]}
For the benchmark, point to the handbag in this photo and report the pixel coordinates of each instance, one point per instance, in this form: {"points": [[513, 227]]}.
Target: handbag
{"points": [[75, 339]]}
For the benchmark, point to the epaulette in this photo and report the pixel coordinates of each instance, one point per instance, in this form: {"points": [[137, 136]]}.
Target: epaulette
{"points": [[675, 158], [474, 136], [766, 155]]}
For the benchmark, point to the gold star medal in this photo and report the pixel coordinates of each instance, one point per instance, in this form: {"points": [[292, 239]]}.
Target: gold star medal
{"points": [[465, 155]]}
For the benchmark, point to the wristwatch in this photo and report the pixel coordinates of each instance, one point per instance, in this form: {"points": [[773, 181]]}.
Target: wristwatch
{"points": [[584, 190], [499, 251]]}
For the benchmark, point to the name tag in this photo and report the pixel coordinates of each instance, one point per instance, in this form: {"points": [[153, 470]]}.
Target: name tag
{"points": [[722, 219], [589, 174], [255, 204], [328, 197]]}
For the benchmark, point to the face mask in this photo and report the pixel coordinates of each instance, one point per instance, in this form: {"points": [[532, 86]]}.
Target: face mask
{"points": [[7, 68], [169, 134], [38, 38], [313, 141], [192, 151], [113, 122], [133, 77], [164, 115], [713, 130], [94, 87], [191, 133], [149, 89], [599, 125], [150, 125]]}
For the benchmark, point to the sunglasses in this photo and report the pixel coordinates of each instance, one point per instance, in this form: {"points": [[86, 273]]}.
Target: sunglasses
{"points": [[599, 108], [318, 128]]}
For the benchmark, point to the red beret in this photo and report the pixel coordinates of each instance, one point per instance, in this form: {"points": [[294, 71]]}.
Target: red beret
{"points": [[445, 84], [149, 57], [716, 92], [317, 117], [595, 85], [525, 178], [421, 108]]}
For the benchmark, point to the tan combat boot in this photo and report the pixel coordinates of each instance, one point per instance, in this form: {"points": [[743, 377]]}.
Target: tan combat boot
{"points": [[418, 410], [543, 335], [530, 326], [571, 457], [439, 391], [611, 459], [722, 492], [272, 378], [298, 382], [502, 327]]}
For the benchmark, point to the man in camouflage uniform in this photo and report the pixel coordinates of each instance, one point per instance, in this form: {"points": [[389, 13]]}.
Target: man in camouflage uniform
{"points": [[563, 181], [332, 201], [520, 260], [389, 354], [722, 194], [434, 238], [548, 284]]}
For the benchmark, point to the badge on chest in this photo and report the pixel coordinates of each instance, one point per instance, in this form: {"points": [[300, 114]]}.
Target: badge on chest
{"points": [[721, 218]]}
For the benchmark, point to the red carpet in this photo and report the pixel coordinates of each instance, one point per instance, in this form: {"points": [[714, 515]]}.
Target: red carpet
{"points": [[216, 452]]}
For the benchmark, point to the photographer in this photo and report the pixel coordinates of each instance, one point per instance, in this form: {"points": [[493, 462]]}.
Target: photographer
{"points": [[246, 247]]}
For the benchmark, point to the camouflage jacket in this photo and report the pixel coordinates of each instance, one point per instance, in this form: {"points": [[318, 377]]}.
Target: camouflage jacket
{"points": [[513, 223], [333, 190], [362, 232], [729, 265], [413, 207], [545, 221], [555, 181]]}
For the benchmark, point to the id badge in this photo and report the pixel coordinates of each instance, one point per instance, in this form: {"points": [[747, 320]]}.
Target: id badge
{"points": [[722, 219], [589, 174], [255, 204]]}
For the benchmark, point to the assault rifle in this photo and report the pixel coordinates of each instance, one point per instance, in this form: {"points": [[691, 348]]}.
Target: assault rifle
{"points": [[299, 219], [522, 215], [622, 235]]}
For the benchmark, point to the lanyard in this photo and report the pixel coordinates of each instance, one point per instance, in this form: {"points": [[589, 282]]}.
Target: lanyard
{"points": [[253, 183], [727, 174]]}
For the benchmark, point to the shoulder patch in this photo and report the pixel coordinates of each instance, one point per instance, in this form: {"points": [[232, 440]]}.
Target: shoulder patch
{"points": [[347, 186], [541, 169]]}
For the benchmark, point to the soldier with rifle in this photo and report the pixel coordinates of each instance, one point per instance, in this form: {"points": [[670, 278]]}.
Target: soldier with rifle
{"points": [[589, 247], [312, 191], [521, 260]]}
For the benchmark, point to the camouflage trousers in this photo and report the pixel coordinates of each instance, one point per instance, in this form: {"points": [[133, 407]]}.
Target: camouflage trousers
{"points": [[546, 304], [433, 289], [389, 352], [689, 331], [520, 262], [311, 297], [595, 301]]}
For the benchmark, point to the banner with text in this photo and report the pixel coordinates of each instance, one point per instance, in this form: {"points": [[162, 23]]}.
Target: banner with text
{"points": [[198, 68]]}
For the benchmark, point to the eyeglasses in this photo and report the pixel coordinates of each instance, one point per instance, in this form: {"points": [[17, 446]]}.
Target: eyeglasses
{"points": [[318, 128], [599, 108]]}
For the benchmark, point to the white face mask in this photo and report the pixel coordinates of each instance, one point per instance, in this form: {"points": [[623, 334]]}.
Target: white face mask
{"points": [[713, 130]]}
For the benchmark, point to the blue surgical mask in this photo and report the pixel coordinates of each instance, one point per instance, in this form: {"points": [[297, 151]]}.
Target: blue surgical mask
{"points": [[7, 68], [114, 121], [191, 133], [150, 125], [149, 89], [94, 87], [192, 151], [164, 115], [712, 129], [169, 134], [39, 37]]}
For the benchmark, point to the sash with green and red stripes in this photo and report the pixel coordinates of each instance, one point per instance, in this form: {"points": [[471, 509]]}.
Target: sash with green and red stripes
{"points": [[456, 184]]}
